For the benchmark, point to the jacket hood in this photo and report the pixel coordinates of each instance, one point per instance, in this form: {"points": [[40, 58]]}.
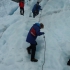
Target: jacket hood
{"points": [[37, 24]]}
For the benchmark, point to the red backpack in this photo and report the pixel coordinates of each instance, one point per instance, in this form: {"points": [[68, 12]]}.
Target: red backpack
{"points": [[21, 4], [33, 32]]}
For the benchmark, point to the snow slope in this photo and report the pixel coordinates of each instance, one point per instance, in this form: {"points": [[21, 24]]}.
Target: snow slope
{"points": [[13, 32]]}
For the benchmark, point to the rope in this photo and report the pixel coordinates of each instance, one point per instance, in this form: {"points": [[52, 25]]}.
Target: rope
{"points": [[44, 53], [44, 46]]}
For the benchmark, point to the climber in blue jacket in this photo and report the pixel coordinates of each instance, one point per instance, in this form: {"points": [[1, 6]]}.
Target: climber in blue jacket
{"points": [[31, 38], [36, 9]]}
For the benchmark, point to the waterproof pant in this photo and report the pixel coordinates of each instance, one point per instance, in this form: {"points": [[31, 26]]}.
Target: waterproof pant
{"points": [[21, 11], [32, 48], [35, 14]]}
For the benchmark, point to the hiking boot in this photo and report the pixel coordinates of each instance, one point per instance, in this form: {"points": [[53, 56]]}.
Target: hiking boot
{"points": [[21, 13], [68, 63], [28, 50], [34, 60]]}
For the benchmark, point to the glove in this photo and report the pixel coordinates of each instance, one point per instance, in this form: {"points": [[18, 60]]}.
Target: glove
{"points": [[43, 33], [36, 43], [41, 9]]}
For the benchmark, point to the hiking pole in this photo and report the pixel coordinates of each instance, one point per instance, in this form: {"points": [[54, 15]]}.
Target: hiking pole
{"points": [[44, 52]]}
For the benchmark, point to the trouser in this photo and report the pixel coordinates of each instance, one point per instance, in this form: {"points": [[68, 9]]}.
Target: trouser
{"points": [[32, 48], [21, 11], [35, 14]]}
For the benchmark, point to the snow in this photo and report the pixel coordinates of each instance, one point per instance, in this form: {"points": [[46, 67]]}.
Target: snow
{"points": [[54, 49]]}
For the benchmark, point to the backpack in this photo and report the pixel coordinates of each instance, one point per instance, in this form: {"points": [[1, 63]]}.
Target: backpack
{"points": [[33, 32]]}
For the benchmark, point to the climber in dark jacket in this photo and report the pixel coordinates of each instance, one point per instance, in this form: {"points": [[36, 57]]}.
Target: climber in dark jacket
{"points": [[36, 9], [31, 38]]}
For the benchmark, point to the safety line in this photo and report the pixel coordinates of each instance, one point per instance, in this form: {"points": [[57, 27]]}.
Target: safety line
{"points": [[44, 46], [44, 53]]}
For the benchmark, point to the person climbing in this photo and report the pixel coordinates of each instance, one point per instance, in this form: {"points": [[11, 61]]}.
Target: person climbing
{"points": [[31, 38], [21, 5], [36, 9]]}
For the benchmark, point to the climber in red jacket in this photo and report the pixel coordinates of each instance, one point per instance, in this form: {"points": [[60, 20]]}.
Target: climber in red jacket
{"points": [[21, 5]]}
